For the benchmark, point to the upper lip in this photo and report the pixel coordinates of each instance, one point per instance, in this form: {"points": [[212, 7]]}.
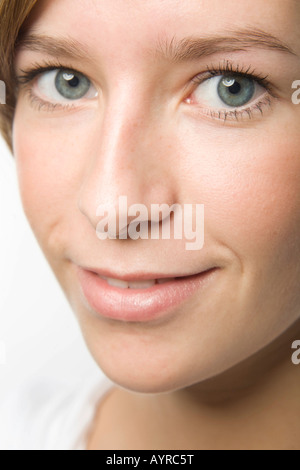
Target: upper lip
{"points": [[141, 276]]}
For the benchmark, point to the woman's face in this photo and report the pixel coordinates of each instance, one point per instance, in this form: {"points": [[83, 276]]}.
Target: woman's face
{"points": [[156, 122]]}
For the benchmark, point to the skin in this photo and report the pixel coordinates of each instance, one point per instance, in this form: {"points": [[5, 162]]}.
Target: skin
{"points": [[223, 359]]}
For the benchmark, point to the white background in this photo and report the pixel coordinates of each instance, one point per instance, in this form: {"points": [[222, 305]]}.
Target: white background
{"points": [[39, 335]]}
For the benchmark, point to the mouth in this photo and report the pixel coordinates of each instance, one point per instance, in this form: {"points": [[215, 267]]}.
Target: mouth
{"points": [[139, 297], [136, 283]]}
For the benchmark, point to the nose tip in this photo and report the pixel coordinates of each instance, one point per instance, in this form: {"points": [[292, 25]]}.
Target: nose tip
{"points": [[135, 221], [114, 204], [115, 219]]}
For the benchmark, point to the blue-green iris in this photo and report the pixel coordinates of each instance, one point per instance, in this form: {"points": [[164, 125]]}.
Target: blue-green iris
{"points": [[72, 85], [235, 90]]}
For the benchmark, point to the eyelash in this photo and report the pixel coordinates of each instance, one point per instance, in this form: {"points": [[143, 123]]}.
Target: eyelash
{"points": [[223, 68], [227, 67]]}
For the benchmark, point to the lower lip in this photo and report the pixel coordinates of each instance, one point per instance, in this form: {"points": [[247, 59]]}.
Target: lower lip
{"points": [[139, 305]]}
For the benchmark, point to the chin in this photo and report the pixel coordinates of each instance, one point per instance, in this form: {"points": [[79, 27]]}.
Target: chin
{"points": [[161, 360], [143, 370]]}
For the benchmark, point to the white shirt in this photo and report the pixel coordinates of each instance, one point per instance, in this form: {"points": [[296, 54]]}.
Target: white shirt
{"points": [[45, 416]]}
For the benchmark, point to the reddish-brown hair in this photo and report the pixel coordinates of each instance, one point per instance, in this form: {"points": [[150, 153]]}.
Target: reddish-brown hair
{"points": [[13, 13]]}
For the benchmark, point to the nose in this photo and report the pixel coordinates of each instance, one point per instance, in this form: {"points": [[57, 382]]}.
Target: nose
{"points": [[128, 156]]}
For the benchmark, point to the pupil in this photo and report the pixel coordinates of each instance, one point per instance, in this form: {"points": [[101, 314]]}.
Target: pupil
{"points": [[235, 89], [74, 82]]}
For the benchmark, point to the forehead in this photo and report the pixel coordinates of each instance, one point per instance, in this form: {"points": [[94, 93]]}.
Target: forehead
{"points": [[140, 23]]}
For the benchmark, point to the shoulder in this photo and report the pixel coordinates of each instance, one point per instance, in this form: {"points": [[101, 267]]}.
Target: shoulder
{"points": [[49, 415]]}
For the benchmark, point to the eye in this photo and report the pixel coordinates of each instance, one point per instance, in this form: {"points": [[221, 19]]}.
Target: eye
{"points": [[63, 85], [229, 91]]}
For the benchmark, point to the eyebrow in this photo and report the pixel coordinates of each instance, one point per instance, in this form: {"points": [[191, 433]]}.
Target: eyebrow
{"points": [[57, 47], [192, 48], [186, 49]]}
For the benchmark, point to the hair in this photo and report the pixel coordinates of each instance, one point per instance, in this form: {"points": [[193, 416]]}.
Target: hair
{"points": [[13, 14]]}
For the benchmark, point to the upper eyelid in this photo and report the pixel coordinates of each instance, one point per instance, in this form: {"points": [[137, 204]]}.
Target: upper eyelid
{"points": [[261, 80], [224, 67], [212, 73], [29, 75]]}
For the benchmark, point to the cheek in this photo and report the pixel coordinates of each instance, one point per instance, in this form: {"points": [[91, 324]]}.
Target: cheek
{"points": [[249, 183], [40, 171], [50, 160], [260, 198]]}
